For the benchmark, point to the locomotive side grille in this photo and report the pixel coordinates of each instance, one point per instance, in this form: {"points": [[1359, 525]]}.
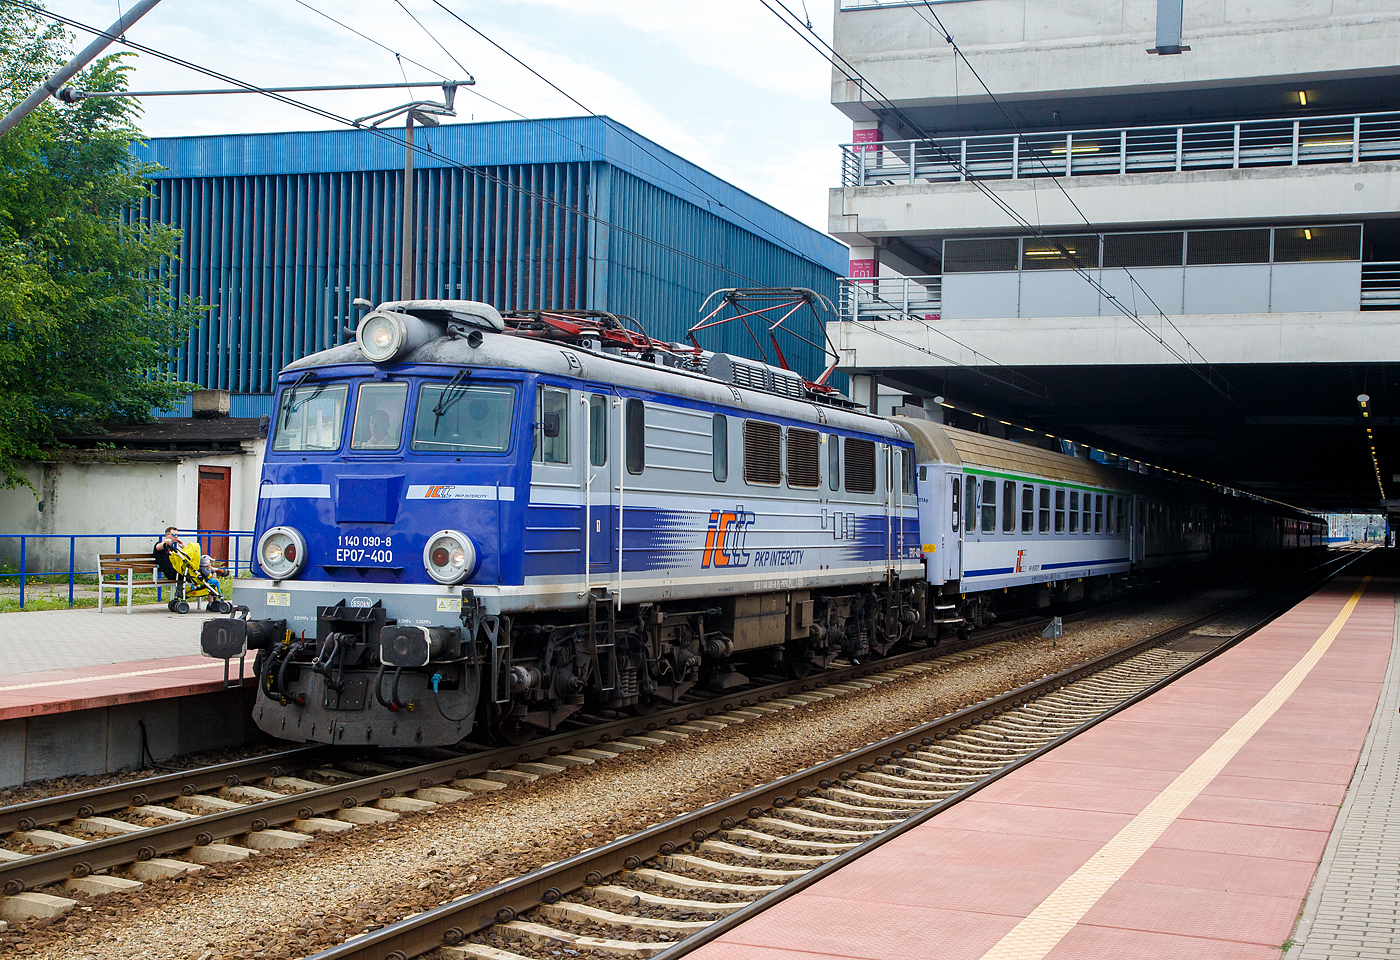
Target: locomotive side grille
{"points": [[754, 378], [762, 452], [789, 386], [860, 465], [803, 451]]}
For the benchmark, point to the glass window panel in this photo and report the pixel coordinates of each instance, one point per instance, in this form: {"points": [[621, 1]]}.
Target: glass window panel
{"points": [[720, 446], [833, 461], [957, 488], [1059, 511], [1044, 509], [379, 410], [970, 491], [1074, 511], [463, 419], [1008, 514], [311, 418], [1098, 513], [1027, 509], [636, 436], [989, 506], [598, 430], [551, 425]]}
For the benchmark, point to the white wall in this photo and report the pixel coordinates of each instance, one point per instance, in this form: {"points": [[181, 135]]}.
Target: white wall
{"points": [[132, 497], [1038, 48]]}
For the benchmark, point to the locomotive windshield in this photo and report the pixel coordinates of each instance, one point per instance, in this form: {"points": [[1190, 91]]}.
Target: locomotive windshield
{"points": [[379, 416], [461, 418], [311, 418]]}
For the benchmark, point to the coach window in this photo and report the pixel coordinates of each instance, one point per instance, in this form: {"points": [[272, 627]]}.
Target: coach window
{"points": [[1074, 511], [860, 465], [379, 416], [1088, 512], [1098, 513], [1008, 500], [763, 462], [598, 430], [636, 436], [1044, 509], [551, 425], [1108, 514], [833, 461], [803, 458], [1027, 509], [989, 506], [970, 487], [1059, 511], [719, 443], [907, 461]]}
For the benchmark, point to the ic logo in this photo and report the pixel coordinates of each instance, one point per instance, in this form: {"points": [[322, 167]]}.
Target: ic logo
{"points": [[442, 491], [1020, 555], [363, 603], [724, 540]]}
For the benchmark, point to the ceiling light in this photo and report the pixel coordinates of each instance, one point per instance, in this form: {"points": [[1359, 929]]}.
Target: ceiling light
{"points": [[1307, 234], [1302, 98]]}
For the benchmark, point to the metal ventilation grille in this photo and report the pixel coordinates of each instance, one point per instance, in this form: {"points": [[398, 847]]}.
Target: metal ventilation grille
{"points": [[755, 378], [980, 256], [803, 458], [1079, 251], [789, 386], [762, 452], [860, 465], [1317, 243]]}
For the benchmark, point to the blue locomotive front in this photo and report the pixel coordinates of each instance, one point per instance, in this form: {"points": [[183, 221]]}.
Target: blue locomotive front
{"points": [[461, 524]]}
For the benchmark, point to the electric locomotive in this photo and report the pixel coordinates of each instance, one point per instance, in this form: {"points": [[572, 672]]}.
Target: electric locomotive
{"points": [[477, 525]]}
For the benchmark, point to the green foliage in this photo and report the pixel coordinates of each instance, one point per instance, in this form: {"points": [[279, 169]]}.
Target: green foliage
{"points": [[87, 326]]}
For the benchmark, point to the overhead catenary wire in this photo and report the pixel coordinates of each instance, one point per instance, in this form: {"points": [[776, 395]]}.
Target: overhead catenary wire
{"points": [[830, 54]]}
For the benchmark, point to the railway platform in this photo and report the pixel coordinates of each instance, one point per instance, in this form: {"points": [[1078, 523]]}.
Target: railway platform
{"points": [[87, 692], [1251, 810]]}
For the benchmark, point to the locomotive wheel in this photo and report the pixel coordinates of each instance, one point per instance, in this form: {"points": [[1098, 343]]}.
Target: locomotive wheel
{"points": [[796, 664], [512, 731]]}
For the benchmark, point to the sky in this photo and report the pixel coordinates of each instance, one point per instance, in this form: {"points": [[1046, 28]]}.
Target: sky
{"points": [[721, 82]]}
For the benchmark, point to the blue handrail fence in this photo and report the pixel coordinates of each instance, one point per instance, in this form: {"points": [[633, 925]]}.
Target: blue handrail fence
{"points": [[239, 548]]}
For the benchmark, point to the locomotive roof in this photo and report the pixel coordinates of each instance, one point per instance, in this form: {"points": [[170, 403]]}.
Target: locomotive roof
{"points": [[502, 350]]}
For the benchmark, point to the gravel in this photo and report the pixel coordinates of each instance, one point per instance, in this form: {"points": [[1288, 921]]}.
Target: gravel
{"points": [[292, 903]]}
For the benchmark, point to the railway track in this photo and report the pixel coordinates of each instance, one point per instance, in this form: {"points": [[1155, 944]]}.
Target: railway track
{"points": [[666, 890], [176, 823]]}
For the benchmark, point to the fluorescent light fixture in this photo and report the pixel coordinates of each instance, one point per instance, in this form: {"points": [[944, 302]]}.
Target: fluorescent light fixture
{"points": [[1302, 98], [1307, 234], [1086, 148]]}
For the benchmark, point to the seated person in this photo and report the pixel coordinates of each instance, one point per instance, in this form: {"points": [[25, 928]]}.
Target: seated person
{"points": [[161, 553]]}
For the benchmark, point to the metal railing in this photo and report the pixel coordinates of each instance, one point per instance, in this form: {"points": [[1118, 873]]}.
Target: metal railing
{"points": [[1380, 284], [892, 298], [238, 547], [1351, 138]]}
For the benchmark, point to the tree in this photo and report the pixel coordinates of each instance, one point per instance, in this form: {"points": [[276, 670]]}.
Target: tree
{"points": [[87, 325]]}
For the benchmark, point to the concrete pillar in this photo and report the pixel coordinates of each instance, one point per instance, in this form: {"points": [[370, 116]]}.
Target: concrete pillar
{"points": [[865, 263], [865, 390]]}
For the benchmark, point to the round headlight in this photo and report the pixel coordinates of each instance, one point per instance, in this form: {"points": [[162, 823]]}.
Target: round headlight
{"points": [[449, 556], [381, 336], [281, 553]]}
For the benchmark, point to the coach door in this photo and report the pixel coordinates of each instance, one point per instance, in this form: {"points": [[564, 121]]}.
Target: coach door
{"points": [[599, 483], [951, 547], [1137, 523]]}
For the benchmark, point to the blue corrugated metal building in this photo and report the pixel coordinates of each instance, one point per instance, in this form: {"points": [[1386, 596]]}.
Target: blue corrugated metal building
{"points": [[283, 230]]}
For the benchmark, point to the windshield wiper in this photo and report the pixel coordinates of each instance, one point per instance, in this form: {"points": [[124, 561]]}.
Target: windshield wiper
{"points": [[454, 391], [290, 405]]}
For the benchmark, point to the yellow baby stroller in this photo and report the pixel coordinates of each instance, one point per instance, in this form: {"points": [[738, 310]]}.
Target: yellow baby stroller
{"points": [[195, 580]]}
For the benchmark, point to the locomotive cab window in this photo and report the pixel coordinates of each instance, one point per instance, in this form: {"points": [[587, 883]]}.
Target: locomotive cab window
{"points": [[636, 436], [454, 418], [379, 409], [803, 457], [551, 425], [311, 418], [763, 463], [860, 465], [719, 447], [597, 430]]}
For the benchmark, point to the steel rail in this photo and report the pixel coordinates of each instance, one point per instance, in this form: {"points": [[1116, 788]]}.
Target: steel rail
{"points": [[453, 922], [53, 866]]}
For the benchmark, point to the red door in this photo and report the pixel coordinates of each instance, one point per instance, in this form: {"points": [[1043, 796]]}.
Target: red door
{"points": [[214, 487]]}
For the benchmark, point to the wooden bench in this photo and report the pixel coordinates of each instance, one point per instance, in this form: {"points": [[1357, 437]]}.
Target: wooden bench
{"points": [[123, 568]]}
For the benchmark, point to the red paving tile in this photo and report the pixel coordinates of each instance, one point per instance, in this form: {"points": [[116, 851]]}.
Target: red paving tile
{"points": [[1101, 943], [83, 688], [1213, 914], [1223, 882], [1222, 871]]}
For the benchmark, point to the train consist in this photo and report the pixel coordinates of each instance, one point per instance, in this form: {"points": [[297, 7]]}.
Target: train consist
{"points": [[478, 525]]}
